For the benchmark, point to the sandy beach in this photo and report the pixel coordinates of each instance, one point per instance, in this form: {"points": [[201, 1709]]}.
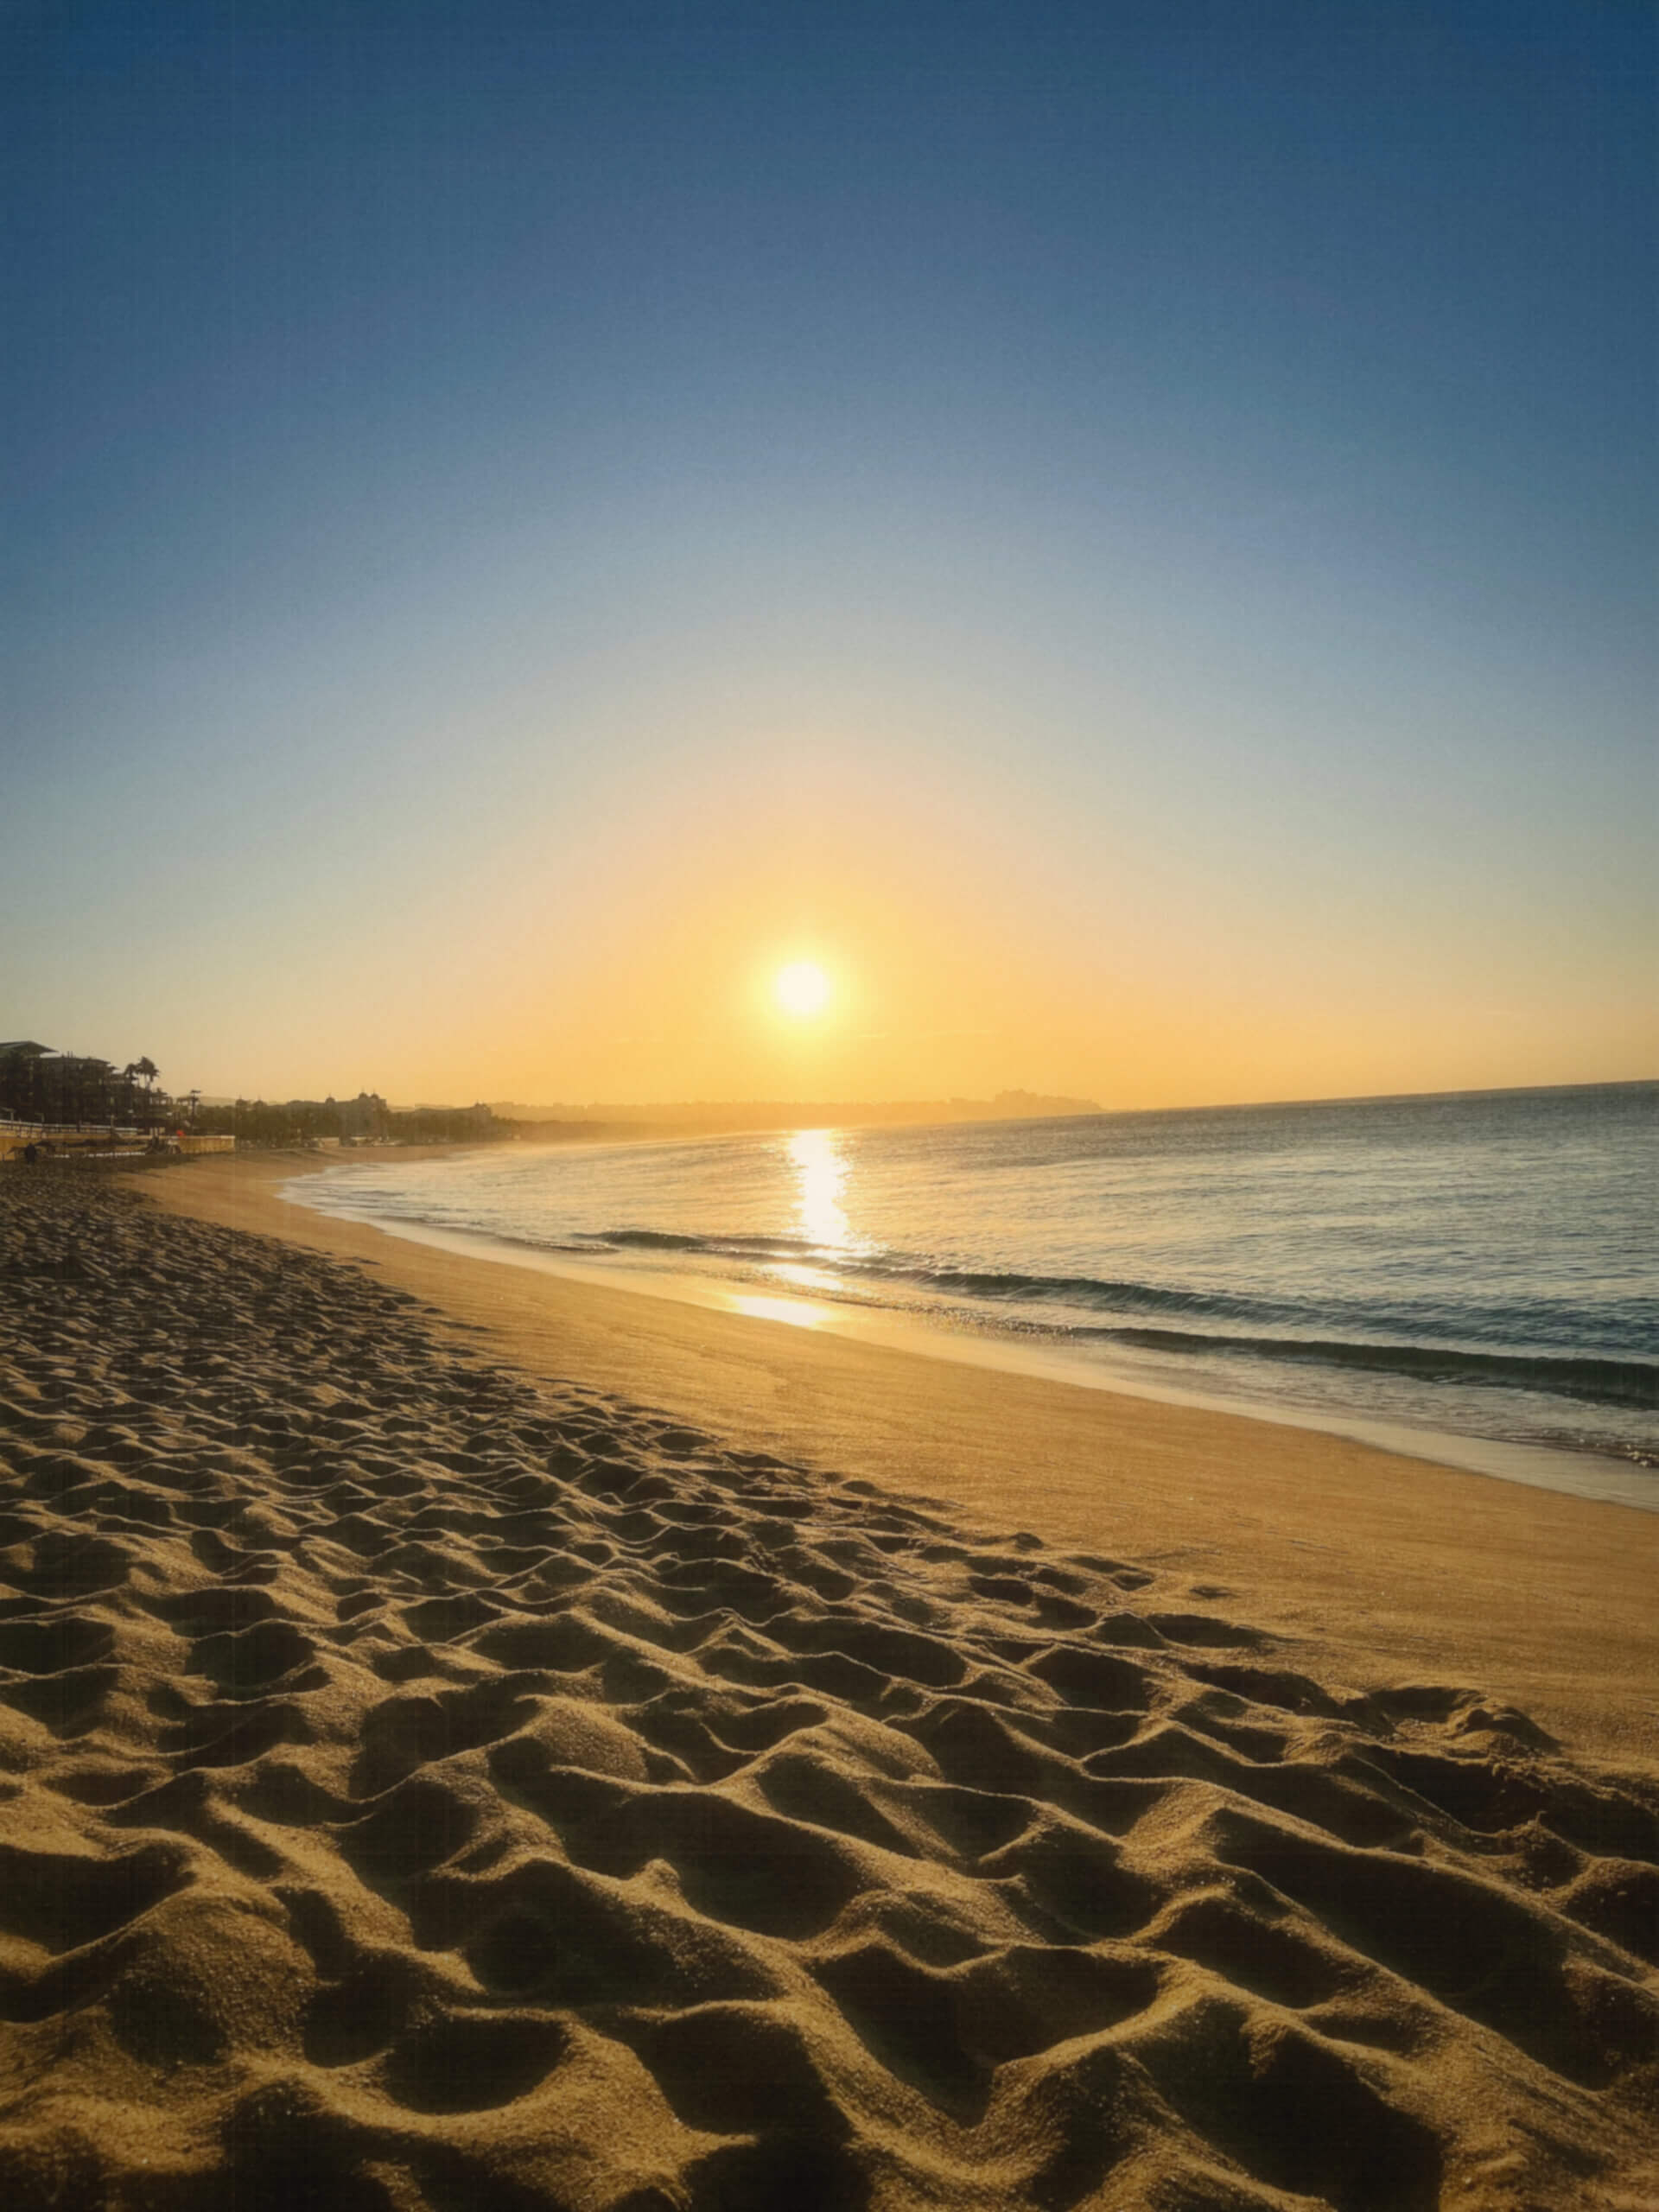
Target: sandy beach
{"points": [[468, 1739]]}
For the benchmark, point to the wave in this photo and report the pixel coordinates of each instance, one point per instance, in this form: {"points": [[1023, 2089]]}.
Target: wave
{"points": [[1598, 1378], [1618, 1381], [1091, 1290], [1219, 1323], [960, 1282], [665, 1240]]}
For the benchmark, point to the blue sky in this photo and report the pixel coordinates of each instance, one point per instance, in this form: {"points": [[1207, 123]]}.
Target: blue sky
{"points": [[1127, 531]]}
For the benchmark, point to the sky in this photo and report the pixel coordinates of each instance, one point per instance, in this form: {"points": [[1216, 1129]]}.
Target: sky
{"points": [[1126, 534]]}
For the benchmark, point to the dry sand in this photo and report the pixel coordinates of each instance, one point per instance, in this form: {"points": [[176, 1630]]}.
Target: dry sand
{"points": [[446, 1770]]}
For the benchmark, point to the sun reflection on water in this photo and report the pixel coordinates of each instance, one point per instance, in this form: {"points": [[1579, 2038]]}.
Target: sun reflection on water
{"points": [[820, 1165], [799, 1278], [799, 1312]]}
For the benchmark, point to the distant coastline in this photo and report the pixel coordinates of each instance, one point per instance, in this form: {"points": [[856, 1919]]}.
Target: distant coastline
{"points": [[552, 1123], [40, 1085], [613, 1122]]}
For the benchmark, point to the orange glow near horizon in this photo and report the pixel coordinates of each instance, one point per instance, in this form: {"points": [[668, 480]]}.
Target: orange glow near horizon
{"points": [[844, 932]]}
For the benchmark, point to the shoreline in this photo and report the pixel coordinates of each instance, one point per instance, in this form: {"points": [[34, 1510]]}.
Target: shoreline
{"points": [[432, 1772], [1380, 1562], [1585, 1472]]}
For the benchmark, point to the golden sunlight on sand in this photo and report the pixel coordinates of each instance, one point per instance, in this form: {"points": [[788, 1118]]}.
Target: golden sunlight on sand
{"points": [[449, 1757]]}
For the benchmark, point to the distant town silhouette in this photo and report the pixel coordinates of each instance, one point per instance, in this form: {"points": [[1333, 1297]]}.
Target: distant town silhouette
{"points": [[42, 1086]]}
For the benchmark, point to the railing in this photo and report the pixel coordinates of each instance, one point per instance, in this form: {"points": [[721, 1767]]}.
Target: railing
{"points": [[60, 1139]]}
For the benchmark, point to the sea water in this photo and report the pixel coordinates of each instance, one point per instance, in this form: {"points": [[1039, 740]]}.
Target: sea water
{"points": [[1480, 1266]]}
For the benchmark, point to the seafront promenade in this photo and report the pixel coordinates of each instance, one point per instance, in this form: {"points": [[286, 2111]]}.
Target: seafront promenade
{"points": [[59, 1140]]}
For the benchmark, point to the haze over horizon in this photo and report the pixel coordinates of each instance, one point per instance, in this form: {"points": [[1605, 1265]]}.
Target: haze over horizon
{"points": [[1121, 541]]}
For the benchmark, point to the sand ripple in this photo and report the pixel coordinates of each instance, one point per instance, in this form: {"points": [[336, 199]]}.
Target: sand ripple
{"points": [[423, 1787]]}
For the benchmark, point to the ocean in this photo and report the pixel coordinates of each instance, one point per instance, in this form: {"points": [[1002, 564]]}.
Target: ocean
{"points": [[1475, 1277]]}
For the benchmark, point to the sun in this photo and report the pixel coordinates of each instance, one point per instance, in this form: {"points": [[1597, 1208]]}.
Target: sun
{"points": [[802, 989]]}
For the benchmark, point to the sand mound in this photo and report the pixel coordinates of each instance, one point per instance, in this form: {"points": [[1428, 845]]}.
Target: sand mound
{"points": [[422, 1786]]}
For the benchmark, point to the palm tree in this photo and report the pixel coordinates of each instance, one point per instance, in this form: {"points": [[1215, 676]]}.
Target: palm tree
{"points": [[146, 1071]]}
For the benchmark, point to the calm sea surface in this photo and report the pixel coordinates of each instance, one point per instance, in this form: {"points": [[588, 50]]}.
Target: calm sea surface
{"points": [[1484, 1266]]}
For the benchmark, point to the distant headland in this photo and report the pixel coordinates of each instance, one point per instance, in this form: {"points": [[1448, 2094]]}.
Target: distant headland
{"points": [[705, 1116]]}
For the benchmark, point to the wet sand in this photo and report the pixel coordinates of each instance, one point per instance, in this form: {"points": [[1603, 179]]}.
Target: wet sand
{"points": [[466, 1738]]}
